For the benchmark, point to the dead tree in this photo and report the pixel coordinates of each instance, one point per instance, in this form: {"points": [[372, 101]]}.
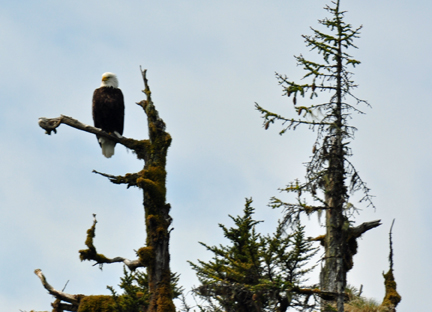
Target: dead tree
{"points": [[151, 180], [331, 178]]}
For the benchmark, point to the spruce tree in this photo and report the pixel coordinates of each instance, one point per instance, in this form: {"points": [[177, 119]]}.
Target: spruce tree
{"points": [[256, 272], [230, 277], [330, 177]]}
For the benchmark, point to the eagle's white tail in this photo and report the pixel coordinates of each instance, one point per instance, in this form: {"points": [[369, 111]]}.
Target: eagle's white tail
{"points": [[107, 147]]}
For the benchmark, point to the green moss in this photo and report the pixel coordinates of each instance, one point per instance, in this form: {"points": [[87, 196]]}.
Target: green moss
{"points": [[153, 221], [155, 190], [87, 254], [161, 232], [139, 147], [146, 255], [90, 253], [164, 296], [90, 235], [164, 302], [392, 297], [97, 304], [156, 173]]}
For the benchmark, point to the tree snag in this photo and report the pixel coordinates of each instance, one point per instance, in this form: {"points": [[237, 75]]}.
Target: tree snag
{"points": [[330, 177], [392, 297], [152, 179]]}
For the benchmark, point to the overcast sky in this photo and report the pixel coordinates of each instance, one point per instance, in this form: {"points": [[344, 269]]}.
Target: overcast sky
{"points": [[208, 63]]}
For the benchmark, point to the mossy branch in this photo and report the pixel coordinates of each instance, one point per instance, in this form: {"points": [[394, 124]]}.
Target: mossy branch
{"points": [[76, 302], [91, 253], [130, 178]]}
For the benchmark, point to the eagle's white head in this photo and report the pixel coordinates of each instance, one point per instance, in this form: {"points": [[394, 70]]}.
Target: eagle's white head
{"points": [[109, 80]]}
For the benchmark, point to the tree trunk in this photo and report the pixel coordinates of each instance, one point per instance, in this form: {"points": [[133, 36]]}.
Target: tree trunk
{"points": [[333, 274], [152, 181]]}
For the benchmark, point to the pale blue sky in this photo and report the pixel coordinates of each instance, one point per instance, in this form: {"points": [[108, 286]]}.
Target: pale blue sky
{"points": [[208, 62]]}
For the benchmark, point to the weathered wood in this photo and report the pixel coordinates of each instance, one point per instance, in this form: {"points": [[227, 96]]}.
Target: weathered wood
{"points": [[357, 231], [74, 300], [51, 125]]}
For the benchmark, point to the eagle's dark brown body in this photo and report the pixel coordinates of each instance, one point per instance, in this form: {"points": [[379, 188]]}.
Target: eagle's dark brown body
{"points": [[108, 112]]}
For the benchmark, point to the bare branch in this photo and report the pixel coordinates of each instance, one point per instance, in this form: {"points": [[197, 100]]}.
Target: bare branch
{"points": [[73, 299], [51, 124], [357, 231], [65, 285], [391, 246]]}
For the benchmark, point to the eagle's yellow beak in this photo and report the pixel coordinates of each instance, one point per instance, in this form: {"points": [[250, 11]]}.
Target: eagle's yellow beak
{"points": [[104, 78]]}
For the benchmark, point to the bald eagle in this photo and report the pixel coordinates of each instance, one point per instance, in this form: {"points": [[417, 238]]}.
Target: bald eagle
{"points": [[108, 111]]}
